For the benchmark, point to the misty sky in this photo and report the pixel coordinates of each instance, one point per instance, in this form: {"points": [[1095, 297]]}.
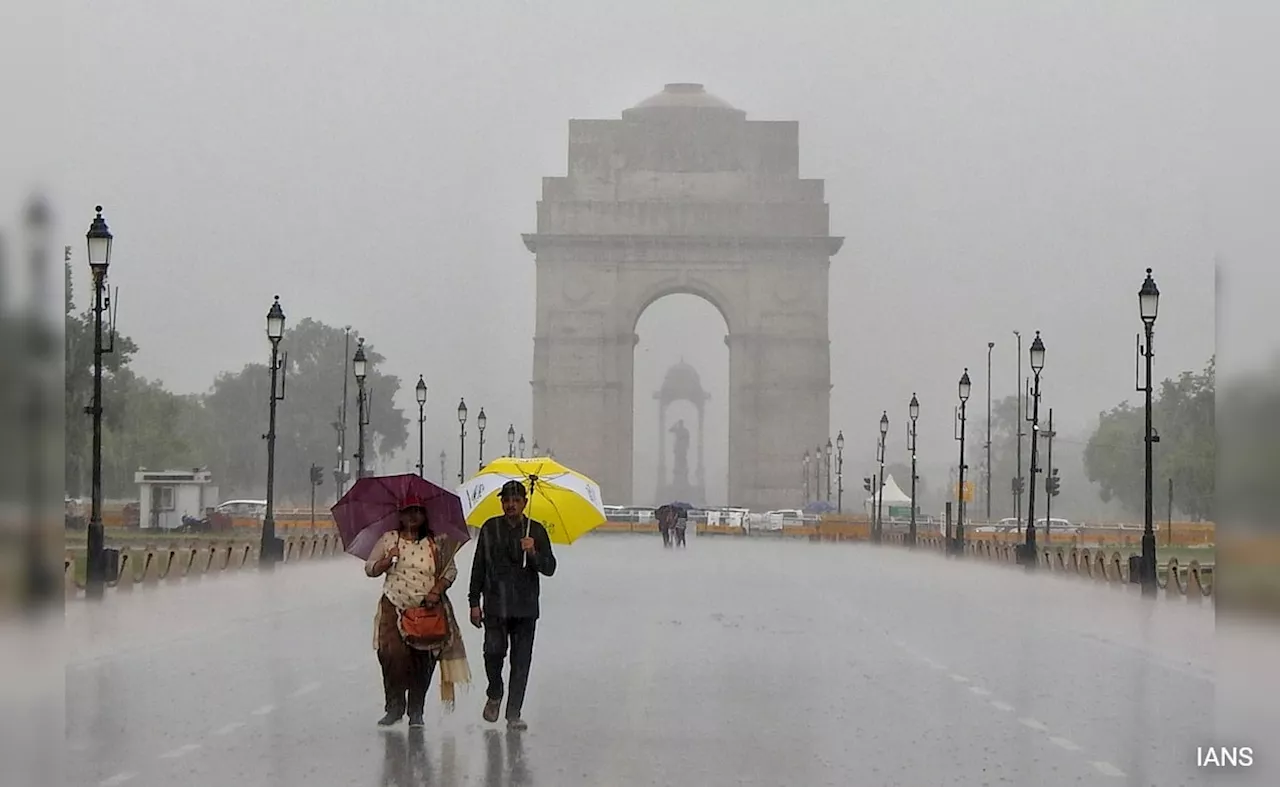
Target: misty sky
{"points": [[993, 166]]}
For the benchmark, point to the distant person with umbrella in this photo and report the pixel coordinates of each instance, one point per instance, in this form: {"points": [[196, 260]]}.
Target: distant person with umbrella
{"points": [[512, 551], [681, 523], [408, 531]]}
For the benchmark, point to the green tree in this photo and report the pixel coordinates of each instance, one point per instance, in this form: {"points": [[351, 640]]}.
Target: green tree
{"points": [[153, 428], [237, 414], [1183, 417]]}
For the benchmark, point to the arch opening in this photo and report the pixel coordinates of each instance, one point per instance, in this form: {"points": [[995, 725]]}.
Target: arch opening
{"points": [[680, 446]]}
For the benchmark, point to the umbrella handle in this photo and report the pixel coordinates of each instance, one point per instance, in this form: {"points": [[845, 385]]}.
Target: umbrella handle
{"points": [[524, 559]]}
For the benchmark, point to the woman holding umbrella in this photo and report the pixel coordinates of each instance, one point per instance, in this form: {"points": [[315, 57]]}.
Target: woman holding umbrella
{"points": [[418, 567]]}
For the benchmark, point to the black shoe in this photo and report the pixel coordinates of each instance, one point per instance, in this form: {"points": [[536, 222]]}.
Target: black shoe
{"points": [[491, 710], [415, 720], [517, 724], [390, 719]]}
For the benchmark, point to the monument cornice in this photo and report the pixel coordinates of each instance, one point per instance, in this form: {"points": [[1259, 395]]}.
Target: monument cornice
{"points": [[539, 241]]}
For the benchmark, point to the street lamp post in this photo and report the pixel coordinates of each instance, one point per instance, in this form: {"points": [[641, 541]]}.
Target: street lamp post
{"points": [[340, 466], [421, 393], [806, 479], [443, 459], [511, 439], [913, 410], [1037, 364], [828, 471], [1148, 308], [965, 387], [269, 549], [462, 441], [521, 444], [840, 472], [1018, 483], [535, 451], [817, 473], [481, 421], [884, 432], [360, 368], [99, 239], [990, 347]]}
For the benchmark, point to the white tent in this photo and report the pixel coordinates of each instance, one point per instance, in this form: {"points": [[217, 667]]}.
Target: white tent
{"points": [[893, 495]]}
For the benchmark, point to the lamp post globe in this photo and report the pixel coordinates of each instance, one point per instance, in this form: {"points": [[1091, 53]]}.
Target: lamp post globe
{"points": [[511, 433], [275, 321], [1037, 354], [462, 411], [840, 441], [884, 423], [828, 449], [420, 390], [966, 387], [99, 237], [520, 444], [359, 363], [481, 420], [1149, 299], [913, 409], [536, 450]]}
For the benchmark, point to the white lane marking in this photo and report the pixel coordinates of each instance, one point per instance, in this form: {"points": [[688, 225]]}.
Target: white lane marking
{"points": [[981, 692], [227, 729], [1065, 743], [1004, 706], [959, 678], [118, 779], [180, 751], [1108, 769], [307, 689], [264, 710], [1039, 726]]}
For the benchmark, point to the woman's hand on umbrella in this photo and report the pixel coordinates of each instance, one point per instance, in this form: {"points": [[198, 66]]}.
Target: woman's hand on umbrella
{"points": [[393, 552]]}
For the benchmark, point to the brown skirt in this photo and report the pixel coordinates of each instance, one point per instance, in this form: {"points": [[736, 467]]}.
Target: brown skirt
{"points": [[406, 673]]}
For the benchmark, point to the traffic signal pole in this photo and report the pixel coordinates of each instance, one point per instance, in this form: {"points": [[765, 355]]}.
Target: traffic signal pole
{"points": [[317, 478]]}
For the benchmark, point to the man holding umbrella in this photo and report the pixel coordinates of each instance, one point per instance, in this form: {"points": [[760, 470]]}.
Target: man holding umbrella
{"points": [[511, 551]]}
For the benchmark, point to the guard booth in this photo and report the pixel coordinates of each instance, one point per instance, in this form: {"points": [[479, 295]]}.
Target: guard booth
{"points": [[166, 496]]}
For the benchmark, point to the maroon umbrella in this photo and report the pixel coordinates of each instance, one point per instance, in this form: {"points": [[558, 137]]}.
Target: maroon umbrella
{"points": [[371, 507]]}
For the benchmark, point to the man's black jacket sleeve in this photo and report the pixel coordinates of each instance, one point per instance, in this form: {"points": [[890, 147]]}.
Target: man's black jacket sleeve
{"points": [[544, 560]]}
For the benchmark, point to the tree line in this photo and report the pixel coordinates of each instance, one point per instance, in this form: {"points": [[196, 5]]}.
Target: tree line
{"points": [[146, 425]]}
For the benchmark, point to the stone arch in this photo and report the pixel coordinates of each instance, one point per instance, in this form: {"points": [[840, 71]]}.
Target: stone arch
{"points": [[684, 195], [696, 287]]}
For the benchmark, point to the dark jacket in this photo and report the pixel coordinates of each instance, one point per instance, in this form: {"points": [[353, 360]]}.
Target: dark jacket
{"points": [[509, 590]]}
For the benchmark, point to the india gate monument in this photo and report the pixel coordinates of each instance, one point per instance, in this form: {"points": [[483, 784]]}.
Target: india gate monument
{"points": [[683, 194]]}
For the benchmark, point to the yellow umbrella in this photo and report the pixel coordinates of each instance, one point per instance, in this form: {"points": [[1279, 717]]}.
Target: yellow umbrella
{"points": [[566, 502]]}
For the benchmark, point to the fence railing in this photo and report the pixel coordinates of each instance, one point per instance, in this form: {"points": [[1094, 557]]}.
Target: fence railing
{"points": [[190, 560]]}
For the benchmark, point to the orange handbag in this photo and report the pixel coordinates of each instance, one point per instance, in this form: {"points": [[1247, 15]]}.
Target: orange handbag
{"points": [[424, 625]]}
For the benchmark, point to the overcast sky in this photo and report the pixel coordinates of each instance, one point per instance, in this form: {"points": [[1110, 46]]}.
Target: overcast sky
{"points": [[993, 166]]}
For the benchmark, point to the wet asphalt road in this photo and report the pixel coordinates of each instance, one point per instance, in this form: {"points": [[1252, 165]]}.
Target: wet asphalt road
{"points": [[732, 663]]}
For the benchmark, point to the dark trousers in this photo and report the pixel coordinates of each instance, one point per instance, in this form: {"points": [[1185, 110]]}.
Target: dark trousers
{"points": [[406, 673], [499, 633]]}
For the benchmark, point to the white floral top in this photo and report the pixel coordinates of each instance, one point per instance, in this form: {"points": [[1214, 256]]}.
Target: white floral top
{"points": [[411, 577]]}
